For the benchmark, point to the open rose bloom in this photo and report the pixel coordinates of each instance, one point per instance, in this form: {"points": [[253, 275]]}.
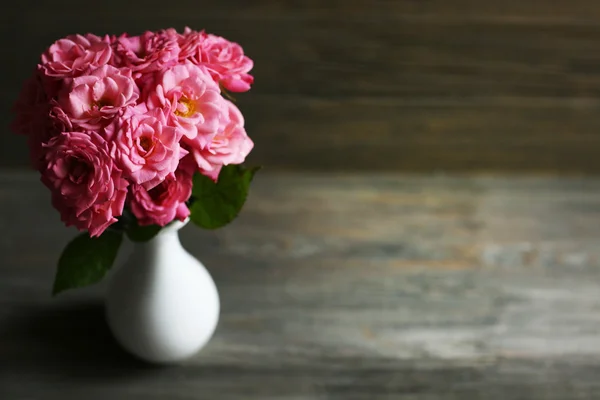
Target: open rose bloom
{"points": [[119, 125]]}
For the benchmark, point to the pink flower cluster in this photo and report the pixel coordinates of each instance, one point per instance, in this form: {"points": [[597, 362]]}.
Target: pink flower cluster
{"points": [[124, 122]]}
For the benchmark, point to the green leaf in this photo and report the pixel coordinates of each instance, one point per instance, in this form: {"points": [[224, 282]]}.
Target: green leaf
{"points": [[86, 260], [138, 233], [217, 204]]}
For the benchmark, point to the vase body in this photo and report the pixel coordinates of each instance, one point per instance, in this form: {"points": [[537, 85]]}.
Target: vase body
{"points": [[162, 305]]}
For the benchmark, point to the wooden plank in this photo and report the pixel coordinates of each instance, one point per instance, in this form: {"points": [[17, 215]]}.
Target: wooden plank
{"points": [[434, 136], [510, 135], [338, 287], [513, 11], [411, 59], [514, 84]]}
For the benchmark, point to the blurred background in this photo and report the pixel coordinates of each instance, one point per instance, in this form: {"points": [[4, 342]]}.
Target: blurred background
{"points": [[399, 85]]}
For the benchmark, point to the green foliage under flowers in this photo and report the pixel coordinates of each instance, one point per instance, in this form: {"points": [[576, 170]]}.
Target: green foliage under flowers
{"points": [[214, 205], [137, 233], [86, 260]]}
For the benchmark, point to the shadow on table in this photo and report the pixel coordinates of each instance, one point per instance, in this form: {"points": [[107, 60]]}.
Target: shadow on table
{"points": [[71, 340]]}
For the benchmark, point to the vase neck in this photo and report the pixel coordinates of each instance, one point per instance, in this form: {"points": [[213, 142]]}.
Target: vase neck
{"points": [[163, 238], [167, 237], [162, 246]]}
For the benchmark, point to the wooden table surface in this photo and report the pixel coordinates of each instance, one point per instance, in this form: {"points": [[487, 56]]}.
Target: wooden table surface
{"points": [[337, 287]]}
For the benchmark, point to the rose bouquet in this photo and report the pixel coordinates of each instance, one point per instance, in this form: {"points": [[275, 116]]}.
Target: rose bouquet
{"points": [[130, 133]]}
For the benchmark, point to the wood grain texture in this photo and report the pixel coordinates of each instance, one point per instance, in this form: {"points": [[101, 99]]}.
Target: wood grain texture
{"points": [[337, 287], [425, 136], [398, 85]]}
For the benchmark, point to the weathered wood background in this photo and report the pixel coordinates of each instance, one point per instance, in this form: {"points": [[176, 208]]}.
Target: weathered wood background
{"points": [[406, 85], [360, 287]]}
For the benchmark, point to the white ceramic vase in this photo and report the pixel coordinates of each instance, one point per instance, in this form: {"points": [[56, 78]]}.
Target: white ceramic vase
{"points": [[162, 304]]}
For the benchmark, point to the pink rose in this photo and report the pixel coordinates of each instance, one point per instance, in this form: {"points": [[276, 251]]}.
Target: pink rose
{"points": [[87, 188], [165, 202], [224, 59], [190, 45], [33, 118], [230, 146], [147, 149], [56, 121], [76, 55], [194, 100], [149, 52], [92, 101], [31, 108], [59, 120]]}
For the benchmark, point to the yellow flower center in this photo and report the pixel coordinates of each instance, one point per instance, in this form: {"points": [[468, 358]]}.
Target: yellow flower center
{"points": [[185, 107]]}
